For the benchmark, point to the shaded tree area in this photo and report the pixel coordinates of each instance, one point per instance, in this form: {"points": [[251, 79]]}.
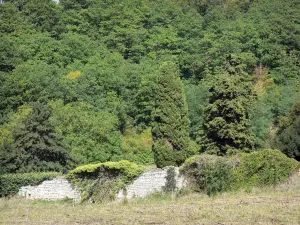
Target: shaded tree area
{"points": [[96, 64], [287, 137]]}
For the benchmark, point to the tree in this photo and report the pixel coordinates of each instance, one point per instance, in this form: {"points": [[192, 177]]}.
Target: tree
{"points": [[197, 100], [29, 82], [93, 135], [36, 146], [170, 129], [226, 124], [15, 120], [145, 102], [287, 138]]}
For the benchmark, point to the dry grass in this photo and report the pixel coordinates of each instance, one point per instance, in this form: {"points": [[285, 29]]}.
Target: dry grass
{"points": [[279, 205]]}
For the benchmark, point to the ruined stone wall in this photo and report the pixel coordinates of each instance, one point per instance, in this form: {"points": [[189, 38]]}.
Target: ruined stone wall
{"points": [[58, 188], [149, 182]]}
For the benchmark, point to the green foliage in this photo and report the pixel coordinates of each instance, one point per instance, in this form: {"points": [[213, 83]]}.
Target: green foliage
{"points": [[265, 167], [287, 138], [100, 182], [127, 169], [197, 100], [213, 174], [92, 134], [209, 173], [36, 146], [145, 102], [261, 119], [10, 183], [273, 102], [16, 119], [30, 82], [170, 119], [101, 59], [226, 125], [138, 147]]}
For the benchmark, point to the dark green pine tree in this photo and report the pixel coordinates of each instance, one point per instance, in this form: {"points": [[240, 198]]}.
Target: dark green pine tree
{"points": [[170, 129], [36, 146], [226, 125]]}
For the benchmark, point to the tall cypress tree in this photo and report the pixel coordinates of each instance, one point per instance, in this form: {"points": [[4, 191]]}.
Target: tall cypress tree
{"points": [[170, 129], [226, 126], [36, 146]]}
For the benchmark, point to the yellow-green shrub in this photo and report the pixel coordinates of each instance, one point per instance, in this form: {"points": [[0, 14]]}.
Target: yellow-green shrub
{"points": [[265, 167], [100, 182], [213, 174], [138, 147]]}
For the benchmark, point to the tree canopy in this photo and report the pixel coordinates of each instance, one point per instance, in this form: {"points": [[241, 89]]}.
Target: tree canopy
{"points": [[217, 76]]}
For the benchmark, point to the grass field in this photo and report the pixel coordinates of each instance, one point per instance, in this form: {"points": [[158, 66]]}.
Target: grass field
{"points": [[274, 205]]}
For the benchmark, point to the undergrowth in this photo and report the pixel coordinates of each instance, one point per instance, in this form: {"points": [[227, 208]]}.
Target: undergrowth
{"points": [[100, 182]]}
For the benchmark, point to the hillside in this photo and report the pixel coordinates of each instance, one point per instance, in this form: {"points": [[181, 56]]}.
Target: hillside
{"points": [[146, 81], [99, 91]]}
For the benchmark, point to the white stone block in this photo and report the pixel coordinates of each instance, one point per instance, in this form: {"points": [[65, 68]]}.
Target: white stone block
{"points": [[58, 188]]}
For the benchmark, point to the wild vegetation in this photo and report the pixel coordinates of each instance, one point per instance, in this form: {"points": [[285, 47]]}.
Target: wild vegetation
{"points": [[213, 174], [89, 85], [101, 182], [95, 81]]}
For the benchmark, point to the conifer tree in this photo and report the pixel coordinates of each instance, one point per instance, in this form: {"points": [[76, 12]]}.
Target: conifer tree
{"points": [[226, 126], [170, 129], [36, 146]]}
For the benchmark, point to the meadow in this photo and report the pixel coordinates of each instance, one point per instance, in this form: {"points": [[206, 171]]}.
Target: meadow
{"points": [[272, 205]]}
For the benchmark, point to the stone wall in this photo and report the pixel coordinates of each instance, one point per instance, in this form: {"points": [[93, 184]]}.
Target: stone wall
{"points": [[58, 188], [149, 182]]}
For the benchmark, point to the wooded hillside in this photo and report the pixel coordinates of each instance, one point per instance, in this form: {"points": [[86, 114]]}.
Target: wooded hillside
{"points": [[86, 81]]}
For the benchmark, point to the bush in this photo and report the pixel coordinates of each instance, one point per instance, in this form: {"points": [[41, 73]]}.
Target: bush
{"points": [[209, 173], [265, 167], [11, 183], [100, 182], [213, 174], [138, 147]]}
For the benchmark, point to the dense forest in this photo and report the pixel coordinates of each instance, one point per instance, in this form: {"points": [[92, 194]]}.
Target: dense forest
{"points": [[86, 81]]}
